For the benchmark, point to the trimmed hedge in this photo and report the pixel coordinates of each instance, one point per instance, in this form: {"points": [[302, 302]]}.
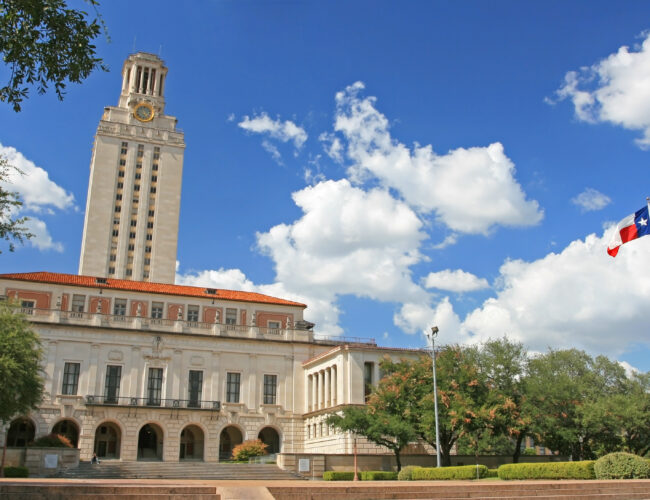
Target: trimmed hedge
{"points": [[378, 475], [492, 473], [459, 472], [335, 475], [366, 475], [548, 470], [621, 466], [16, 472], [406, 474]]}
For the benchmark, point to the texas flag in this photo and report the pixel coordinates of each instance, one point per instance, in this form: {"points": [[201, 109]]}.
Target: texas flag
{"points": [[632, 227]]}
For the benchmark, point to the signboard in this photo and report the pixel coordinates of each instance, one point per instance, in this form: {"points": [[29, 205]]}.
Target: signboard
{"points": [[303, 465], [51, 461]]}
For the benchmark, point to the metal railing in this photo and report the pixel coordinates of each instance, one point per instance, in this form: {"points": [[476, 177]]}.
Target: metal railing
{"points": [[189, 404]]}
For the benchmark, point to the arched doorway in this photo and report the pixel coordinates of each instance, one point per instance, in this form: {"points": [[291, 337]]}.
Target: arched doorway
{"points": [[69, 429], [228, 439], [270, 437], [150, 442], [107, 440], [191, 443], [20, 433]]}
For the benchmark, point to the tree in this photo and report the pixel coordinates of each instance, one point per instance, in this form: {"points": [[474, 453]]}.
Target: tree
{"points": [[376, 425], [504, 364], [11, 228], [21, 383], [43, 42]]}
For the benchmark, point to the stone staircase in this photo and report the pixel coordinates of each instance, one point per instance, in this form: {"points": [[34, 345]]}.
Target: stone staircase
{"points": [[80, 491], [115, 469]]}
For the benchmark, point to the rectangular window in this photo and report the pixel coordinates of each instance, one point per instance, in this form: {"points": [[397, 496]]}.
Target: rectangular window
{"points": [[112, 386], [113, 257], [195, 388], [116, 232], [155, 167], [131, 247], [154, 386], [134, 222], [152, 189], [111, 270], [131, 235], [118, 197], [231, 316], [149, 225], [129, 272], [125, 144], [232, 387], [78, 303], [192, 313], [136, 187], [120, 185], [368, 368], [123, 151], [122, 163], [157, 310], [119, 309], [149, 237], [154, 178], [138, 175], [151, 213], [70, 378], [147, 261], [147, 249], [270, 389], [273, 325], [118, 209]]}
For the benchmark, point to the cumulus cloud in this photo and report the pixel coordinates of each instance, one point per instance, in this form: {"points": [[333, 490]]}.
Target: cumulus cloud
{"points": [[455, 281], [39, 195], [42, 238], [579, 297], [284, 131], [468, 189], [591, 200], [35, 187], [614, 90]]}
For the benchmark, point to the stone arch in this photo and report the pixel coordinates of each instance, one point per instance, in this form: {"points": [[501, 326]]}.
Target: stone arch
{"points": [[21, 432], [108, 440], [151, 439], [192, 443], [69, 428], [229, 437], [271, 437]]}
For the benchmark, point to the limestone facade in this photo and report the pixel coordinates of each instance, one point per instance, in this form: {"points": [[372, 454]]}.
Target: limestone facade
{"points": [[143, 371]]}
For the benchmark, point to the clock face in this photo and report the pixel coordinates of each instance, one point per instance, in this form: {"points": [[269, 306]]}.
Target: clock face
{"points": [[143, 112]]}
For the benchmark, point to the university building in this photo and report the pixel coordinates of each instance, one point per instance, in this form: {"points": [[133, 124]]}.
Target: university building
{"points": [[138, 368]]}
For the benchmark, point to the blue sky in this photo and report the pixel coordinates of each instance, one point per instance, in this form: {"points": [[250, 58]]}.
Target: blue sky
{"points": [[393, 165]]}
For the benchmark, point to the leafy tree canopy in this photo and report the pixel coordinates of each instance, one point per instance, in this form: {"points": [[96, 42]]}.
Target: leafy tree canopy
{"points": [[21, 383], [42, 43]]}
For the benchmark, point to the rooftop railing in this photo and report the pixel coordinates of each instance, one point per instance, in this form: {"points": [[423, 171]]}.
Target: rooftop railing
{"points": [[141, 323]]}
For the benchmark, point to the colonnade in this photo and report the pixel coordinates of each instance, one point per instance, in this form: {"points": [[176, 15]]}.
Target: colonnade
{"points": [[142, 80], [322, 388]]}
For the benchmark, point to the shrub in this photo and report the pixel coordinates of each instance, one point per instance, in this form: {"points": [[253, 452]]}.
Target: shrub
{"points": [[335, 475], [406, 474], [249, 449], [621, 466], [492, 473], [529, 452], [459, 472], [378, 475], [548, 470], [52, 441], [16, 472]]}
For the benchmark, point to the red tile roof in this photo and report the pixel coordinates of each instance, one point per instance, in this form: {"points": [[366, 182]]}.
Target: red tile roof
{"points": [[146, 287]]}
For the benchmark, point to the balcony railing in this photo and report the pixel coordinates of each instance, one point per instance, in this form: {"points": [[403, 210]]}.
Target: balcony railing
{"points": [[189, 404], [181, 326]]}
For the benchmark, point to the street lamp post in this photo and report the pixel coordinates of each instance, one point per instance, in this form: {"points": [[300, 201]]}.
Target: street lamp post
{"points": [[432, 336]]}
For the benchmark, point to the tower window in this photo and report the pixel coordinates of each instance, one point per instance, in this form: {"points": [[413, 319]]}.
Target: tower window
{"points": [[131, 247], [123, 151], [131, 235], [151, 212], [154, 178], [122, 162], [149, 237], [125, 144], [147, 249], [153, 189], [113, 257], [118, 196], [150, 225], [134, 223], [120, 173], [118, 208], [120, 185], [129, 272], [115, 232], [111, 270], [155, 167], [136, 187], [138, 175]]}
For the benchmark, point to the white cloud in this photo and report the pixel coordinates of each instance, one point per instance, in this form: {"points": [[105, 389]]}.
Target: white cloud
{"points": [[284, 131], [455, 281], [273, 151], [35, 187], [470, 190], [39, 195], [42, 238], [580, 297], [615, 90], [629, 369], [591, 200]]}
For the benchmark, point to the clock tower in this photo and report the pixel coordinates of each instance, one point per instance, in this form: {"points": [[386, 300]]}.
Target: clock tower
{"points": [[133, 205]]}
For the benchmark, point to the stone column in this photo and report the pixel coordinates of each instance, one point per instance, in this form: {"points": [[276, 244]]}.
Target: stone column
{"points": [[326, 388]]}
